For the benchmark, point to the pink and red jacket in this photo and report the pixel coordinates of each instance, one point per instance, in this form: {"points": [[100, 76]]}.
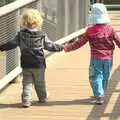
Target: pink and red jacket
{"points": [[102, 39]]}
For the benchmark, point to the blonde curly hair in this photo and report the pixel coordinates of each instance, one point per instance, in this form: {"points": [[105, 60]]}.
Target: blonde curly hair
{"points": [[31, 18]]}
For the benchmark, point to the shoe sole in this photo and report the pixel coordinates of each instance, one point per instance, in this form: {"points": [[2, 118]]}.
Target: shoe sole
{"points": [[99, 102], [25, 106]]}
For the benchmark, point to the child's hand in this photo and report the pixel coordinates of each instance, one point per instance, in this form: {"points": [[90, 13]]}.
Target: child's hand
{"points": [[66, 48], [58, 47], [67, 45], [69, 42]]}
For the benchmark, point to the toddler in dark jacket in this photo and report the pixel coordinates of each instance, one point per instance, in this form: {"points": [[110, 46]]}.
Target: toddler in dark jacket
{"points": [[31, 41]]}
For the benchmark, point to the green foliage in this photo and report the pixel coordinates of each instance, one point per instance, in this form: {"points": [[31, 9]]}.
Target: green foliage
{"points": [[9, 1], [2, 3], [112, 1]]}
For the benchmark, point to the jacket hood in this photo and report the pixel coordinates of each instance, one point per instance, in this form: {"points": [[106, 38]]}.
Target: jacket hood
{"points": [[31, 38]]}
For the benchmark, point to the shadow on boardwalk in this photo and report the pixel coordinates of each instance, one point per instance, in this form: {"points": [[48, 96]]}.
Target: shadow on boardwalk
{"points": [[50, 103], [76, 108], [100, 111]]}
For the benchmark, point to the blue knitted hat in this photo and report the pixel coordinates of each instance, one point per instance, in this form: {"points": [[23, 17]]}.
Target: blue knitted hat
{"points": [[99, 14]]}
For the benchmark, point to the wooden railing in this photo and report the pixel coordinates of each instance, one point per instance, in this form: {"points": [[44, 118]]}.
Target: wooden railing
{"points": [[9, 61]]}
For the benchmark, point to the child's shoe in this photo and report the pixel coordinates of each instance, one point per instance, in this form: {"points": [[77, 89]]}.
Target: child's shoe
{"points": [[93, 100], [26, 104], [43, 100], [100, 100]]}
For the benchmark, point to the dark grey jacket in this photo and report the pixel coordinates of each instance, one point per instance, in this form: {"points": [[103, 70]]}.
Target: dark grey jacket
{"points": [[31, 44]]}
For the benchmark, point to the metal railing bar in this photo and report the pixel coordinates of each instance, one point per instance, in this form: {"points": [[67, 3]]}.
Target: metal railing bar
{"points": [[71, 36], [113, 6], [14, 6], [14, 73], [6, 12], [9, 77], [68, 38]]}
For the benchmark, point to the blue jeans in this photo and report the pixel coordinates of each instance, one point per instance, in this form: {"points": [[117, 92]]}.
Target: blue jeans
{"points": [[99, 73]]}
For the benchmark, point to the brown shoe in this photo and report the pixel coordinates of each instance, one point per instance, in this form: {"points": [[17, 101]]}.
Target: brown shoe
{"points": [[93, 100], [26, 105], [100, 100]]}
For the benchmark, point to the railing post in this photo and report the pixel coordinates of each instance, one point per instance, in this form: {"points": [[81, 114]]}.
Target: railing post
{"points": [[11, 29], [71, 15], [9, 26], [60, 18]]}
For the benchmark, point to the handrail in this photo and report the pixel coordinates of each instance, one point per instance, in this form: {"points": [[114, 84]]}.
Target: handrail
{"points": [[113, 6], [5, 80], [14, 6], [5, 10], [18, 69], [71, 36], [68, 38]]}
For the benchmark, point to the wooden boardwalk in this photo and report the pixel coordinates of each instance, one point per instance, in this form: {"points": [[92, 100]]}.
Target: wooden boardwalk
{"points": [[115, 19], [68, 84]]}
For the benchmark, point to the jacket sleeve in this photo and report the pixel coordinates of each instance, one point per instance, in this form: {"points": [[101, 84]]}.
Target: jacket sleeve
{"points": [[10, 44], [51, 46], [116, 38], [76, 44]]}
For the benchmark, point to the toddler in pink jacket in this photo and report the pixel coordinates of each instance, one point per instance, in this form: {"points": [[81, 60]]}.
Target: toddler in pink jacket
{"points": [[102, 39]]}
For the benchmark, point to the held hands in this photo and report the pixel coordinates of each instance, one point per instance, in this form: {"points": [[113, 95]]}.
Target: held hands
{"points": [[67, 45]]}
